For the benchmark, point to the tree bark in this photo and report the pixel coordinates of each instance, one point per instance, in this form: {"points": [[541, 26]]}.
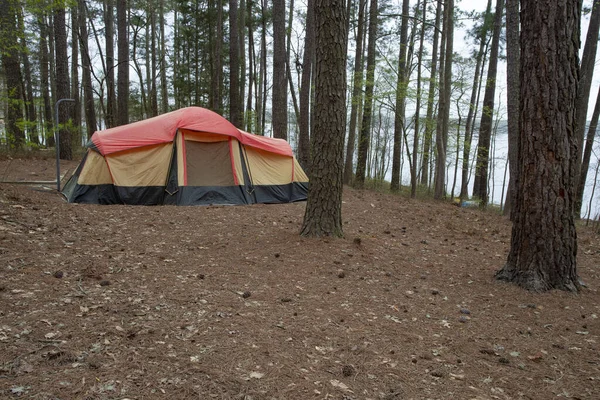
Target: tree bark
{"points": [[399, 112], [356, 92], [365, 129], [279, 106], [305, 89], [323, 216], [544, 240]]}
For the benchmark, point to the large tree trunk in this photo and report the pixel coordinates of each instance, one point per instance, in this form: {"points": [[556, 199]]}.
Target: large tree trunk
{"points": [[123, 68], [365, 128], [62, 81], [513, 87], [356, 92], [323, 216], [429, 122], [544, 241], [473, 104], [86, 73], [485, 129], [401, 86], [307, 66], [588, 62], [279, 106], [12, 70]]}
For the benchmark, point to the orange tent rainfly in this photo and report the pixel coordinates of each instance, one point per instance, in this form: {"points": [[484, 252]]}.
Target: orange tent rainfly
{"points": [[190, 156]]}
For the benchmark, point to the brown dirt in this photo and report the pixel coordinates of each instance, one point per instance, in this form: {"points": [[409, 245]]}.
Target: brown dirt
{"points": [[115, 302]]}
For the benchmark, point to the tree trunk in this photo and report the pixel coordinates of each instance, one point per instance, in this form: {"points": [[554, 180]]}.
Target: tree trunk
{"points": [[288, 70], [323, 216], [123, 68], [111, 98], [12, 70], [235, 116], [242, 53], [473, 103], [544, 240], [32, 132], [365, 129], [399, 112], [414, 166], [588, 62], [44, 81], [279, 105], [485, 130], [305, 89], [356, 92], [154, 60], [441, 137], [248, 117], [76, 134], [587, 153], [429, 122], [62, 81], [86, 74]]}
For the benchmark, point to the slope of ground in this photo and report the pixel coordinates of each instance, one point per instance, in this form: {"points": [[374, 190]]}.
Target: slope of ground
{"points": [[115, 302]]}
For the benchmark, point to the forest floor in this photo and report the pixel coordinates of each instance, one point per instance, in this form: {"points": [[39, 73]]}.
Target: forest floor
{"points": [[132, 302]]}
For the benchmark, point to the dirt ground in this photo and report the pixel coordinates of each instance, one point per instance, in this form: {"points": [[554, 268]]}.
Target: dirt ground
{"points": [[122, 302]]}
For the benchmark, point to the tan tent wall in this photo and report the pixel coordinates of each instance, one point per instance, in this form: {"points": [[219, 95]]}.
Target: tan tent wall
{"points": [[145, 166], [268, 168], [95, 171], [299, 174]]}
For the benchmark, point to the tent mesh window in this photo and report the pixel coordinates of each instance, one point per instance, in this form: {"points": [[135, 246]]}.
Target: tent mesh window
{"points": [[208, 164]]}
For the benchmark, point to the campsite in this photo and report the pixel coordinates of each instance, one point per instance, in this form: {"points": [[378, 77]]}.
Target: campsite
{"points": [[230, 302]]}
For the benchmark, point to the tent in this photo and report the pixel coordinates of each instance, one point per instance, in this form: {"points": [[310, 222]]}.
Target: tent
{"points": [[191, 156]]}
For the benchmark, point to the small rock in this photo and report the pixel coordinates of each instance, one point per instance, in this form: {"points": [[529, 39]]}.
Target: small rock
{"points": [[435, 292], [58, 274], [286, 300], [200, 276], [357, 241], [465, 311], [437, 374], [348, 370], [341, 274], [277, 255], [463, 319], [503, 360], [104, 283], [246, 294]]}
